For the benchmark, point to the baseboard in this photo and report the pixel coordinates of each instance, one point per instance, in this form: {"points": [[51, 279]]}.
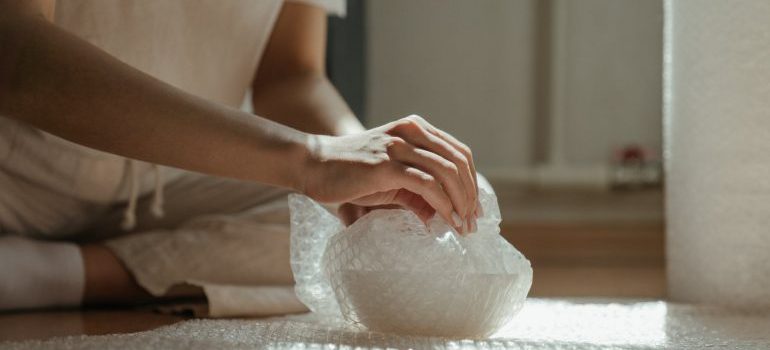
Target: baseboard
{"points": [[589, 176]]}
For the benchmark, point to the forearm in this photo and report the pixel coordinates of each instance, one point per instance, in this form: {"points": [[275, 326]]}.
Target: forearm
{"points": [[307, 102], [63, 85]]}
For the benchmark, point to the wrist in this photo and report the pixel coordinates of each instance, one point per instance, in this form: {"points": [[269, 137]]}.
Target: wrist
{"points": [[305, 163]]}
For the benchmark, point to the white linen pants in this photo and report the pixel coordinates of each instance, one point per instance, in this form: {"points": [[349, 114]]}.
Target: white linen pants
{"points": [[229, 237]]}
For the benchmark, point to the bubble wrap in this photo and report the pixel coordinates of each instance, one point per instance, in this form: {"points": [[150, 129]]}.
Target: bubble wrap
{"points": [[717, 133], [542, 324], [389, 272]]}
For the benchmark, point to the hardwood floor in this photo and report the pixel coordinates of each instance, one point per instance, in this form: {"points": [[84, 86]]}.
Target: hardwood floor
{"points": [[588, 243]]}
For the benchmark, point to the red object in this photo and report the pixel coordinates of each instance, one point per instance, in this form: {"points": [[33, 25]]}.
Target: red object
{"points": [[632, 153]]}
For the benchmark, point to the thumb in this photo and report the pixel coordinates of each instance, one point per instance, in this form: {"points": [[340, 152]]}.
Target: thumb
{"points": [[401, 198], [415, 203]]}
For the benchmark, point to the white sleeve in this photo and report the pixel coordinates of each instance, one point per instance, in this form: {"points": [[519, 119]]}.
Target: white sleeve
{"points": [[332, 7]]}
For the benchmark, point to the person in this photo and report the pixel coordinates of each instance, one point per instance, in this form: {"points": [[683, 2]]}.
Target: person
{"points": [[124, 158]]}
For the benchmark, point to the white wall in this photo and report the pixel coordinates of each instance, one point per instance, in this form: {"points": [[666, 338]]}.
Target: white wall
{"points": [[469, 67], [464, 65], [611, 77]]}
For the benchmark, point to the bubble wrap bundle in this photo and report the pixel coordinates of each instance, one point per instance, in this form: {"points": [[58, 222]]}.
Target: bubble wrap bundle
{"points": [[389, 272]]}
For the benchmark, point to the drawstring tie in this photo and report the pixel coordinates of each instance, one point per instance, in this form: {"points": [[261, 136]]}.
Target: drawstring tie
{"points": [[129, 215]]}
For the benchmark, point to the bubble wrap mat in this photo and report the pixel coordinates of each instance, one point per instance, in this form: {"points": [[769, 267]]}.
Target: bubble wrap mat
{"points": [[542, 324], [389, 272]]}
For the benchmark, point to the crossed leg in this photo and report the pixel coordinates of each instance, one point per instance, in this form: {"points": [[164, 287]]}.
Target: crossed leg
{"points": [[216, 232]]}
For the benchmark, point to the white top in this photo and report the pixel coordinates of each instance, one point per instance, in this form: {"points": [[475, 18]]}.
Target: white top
{"points": [[210, 48]]}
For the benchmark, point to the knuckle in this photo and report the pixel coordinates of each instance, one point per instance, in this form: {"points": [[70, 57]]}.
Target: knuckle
{"points": [[466, 150], [461, 159], [426, 180], [378, 140], [410, 124], [415, 118], [451, 168], [395, 141], [380, 159]]}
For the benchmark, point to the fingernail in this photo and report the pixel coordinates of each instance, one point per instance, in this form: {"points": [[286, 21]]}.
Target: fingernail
{"points": [[474, 226], [456, 221], [469, 223]]}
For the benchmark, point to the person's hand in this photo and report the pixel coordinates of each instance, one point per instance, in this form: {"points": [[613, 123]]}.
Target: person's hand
{"points": [[350, 213], [408, 163]]}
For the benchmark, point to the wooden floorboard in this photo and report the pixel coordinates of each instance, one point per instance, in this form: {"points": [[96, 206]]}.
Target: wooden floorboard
{"points": [[588, 243]]}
